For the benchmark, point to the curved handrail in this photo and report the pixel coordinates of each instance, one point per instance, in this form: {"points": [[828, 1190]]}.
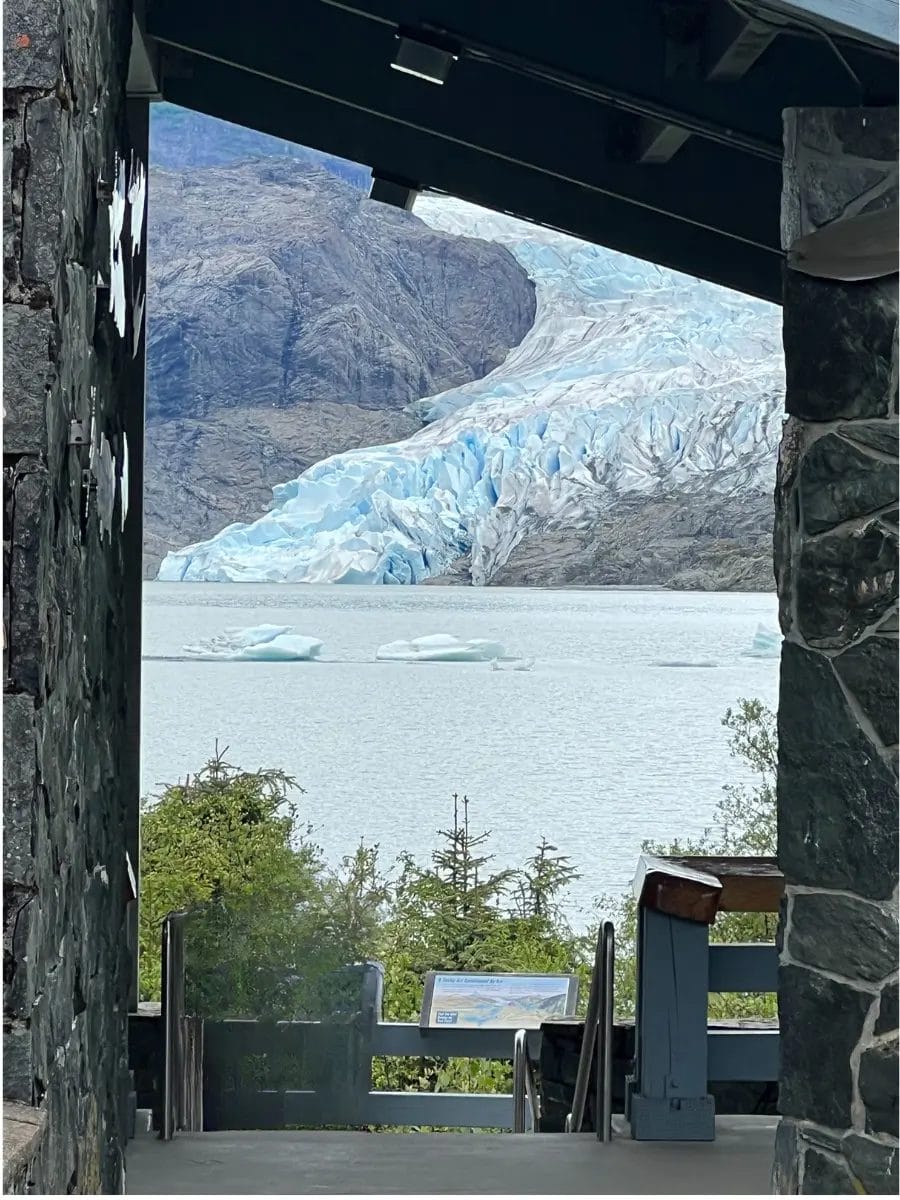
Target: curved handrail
{"points": [[525, 1097], [598, 1020]]}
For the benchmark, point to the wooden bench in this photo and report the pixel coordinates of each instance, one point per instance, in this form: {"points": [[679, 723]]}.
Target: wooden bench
{"points": [[678, 899]]}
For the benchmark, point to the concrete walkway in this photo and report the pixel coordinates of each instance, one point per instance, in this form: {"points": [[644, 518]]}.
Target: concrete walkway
{"points": [[322, 1163]]}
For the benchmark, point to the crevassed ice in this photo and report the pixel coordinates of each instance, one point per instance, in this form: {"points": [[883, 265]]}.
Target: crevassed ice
{"points": [[633, 379]]}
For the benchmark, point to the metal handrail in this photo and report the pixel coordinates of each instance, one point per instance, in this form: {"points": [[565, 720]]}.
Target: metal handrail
{"points": [[182, 1099], [525, 1095], [598, 1033]]}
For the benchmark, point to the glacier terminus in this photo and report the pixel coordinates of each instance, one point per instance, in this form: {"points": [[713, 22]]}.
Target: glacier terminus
{"points": [[633, 380]]}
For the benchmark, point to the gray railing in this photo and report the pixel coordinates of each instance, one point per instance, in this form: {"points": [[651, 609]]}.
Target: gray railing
{"points": [[182, 1100], [526, 1102], [597, 1039], [677, 1052]]}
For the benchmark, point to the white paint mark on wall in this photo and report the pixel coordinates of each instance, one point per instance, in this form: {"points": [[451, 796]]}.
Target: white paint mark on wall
{"points": [[137, 198], [123, 482], [116, 263]]}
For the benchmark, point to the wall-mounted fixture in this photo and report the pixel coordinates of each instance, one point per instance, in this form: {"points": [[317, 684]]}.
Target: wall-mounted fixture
{"points": [[426, 59], [387, 189]]}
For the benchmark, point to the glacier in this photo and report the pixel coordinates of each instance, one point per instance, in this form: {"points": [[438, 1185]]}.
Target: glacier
{"points": [[632, 380]]}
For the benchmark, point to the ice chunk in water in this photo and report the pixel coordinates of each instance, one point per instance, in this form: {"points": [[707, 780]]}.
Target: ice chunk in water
{"points": [[258, 643], [766, 643], [440, 647]]}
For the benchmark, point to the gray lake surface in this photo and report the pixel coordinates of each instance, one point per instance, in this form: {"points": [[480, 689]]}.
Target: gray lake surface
{"points": [[597, 748]]}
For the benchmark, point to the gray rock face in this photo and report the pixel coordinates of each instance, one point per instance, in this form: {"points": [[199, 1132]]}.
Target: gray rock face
{"points": [[200, 475], [275, 283], [278, 294], [673, 541]]}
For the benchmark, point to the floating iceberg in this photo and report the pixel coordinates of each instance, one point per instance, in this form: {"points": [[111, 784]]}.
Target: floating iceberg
{"points": [[259, 643], [766, 644], [633, 379], [440, 647], [519, 664]]}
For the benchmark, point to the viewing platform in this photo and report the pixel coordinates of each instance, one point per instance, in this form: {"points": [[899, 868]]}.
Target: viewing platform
{"points": [[320, 1162]]}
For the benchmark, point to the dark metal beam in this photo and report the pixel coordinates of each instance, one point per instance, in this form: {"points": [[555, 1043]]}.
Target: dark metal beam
{"points": [[503, 116], [402, 151], [621, 50]]}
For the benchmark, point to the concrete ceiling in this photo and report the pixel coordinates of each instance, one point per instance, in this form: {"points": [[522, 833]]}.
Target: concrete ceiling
{"points": [[652, 126]]}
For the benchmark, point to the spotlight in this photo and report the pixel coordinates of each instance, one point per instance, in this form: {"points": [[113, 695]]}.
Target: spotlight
{"points": [[425, 60], [387, 189]]}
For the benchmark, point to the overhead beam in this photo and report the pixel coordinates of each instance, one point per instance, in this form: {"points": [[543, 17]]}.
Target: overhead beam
{"points": [[403, 152], [502, 116], [721, 47], [620, 50]]}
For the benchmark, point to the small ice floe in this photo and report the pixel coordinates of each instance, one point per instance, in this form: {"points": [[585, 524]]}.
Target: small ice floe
{"points": [[766, 644], [440, 647], [518, 664], [259, 643]]}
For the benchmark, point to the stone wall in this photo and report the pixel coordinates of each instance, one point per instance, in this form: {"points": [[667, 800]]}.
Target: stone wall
{"points": [[72, 329], [836, 567]]}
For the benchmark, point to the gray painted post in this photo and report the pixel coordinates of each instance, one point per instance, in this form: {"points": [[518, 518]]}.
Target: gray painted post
{"points": [[668, 1098]]}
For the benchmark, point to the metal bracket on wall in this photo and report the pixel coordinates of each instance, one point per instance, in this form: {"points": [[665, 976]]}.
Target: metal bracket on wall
{"points": [[78, 433]]}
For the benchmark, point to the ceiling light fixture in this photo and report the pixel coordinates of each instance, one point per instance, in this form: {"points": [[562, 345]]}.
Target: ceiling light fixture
{"points": [[388, 189], [424, 60]]}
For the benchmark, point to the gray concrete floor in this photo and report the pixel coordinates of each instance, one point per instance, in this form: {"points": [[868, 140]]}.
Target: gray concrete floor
{"points": [[386, 1164]]}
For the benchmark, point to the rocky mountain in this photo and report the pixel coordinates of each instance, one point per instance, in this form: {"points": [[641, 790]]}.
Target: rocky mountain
{"points": [[290, 319], [629, 437]]}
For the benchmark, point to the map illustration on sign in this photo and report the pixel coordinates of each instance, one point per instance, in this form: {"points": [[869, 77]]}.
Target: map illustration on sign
{"points": [[496, 1001]]}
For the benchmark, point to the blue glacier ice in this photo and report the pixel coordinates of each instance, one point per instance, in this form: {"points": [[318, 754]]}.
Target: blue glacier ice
{"points": [[633, 379], [766, 643], [258, 643]]}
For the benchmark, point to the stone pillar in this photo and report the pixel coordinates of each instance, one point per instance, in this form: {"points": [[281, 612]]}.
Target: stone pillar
{"points": [[836, 569], [73, 318]]}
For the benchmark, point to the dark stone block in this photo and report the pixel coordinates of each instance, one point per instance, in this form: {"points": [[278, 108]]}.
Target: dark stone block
{"points": [[28, 491], [880, 435], [11, 135], [786, 1165], [837, 812], [27, 375], [18, 1072], [43, 192], [846, 582], [839, 481], [19, 782], [838, 340], [869, 671], [873, 1163], [878, 1087], [887, 1012], [824, 1175], [31, 43], [843, 935], [821, 1023]]}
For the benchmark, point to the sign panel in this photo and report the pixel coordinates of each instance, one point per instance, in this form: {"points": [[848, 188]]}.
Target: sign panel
{"points": [[494, 1001]]}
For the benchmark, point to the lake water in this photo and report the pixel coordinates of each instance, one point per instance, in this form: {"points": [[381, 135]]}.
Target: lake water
{"points": [[598, 747]]}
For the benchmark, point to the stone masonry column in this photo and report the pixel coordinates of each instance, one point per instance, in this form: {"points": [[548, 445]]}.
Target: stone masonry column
{"points": [[836, 570], [73, 308]]}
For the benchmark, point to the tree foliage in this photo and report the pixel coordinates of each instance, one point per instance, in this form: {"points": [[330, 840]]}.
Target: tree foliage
{"points": [[273, 930], [744, 823]]}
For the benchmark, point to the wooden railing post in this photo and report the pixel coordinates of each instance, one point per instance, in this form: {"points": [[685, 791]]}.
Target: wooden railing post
{"points": [[678, 898]]}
